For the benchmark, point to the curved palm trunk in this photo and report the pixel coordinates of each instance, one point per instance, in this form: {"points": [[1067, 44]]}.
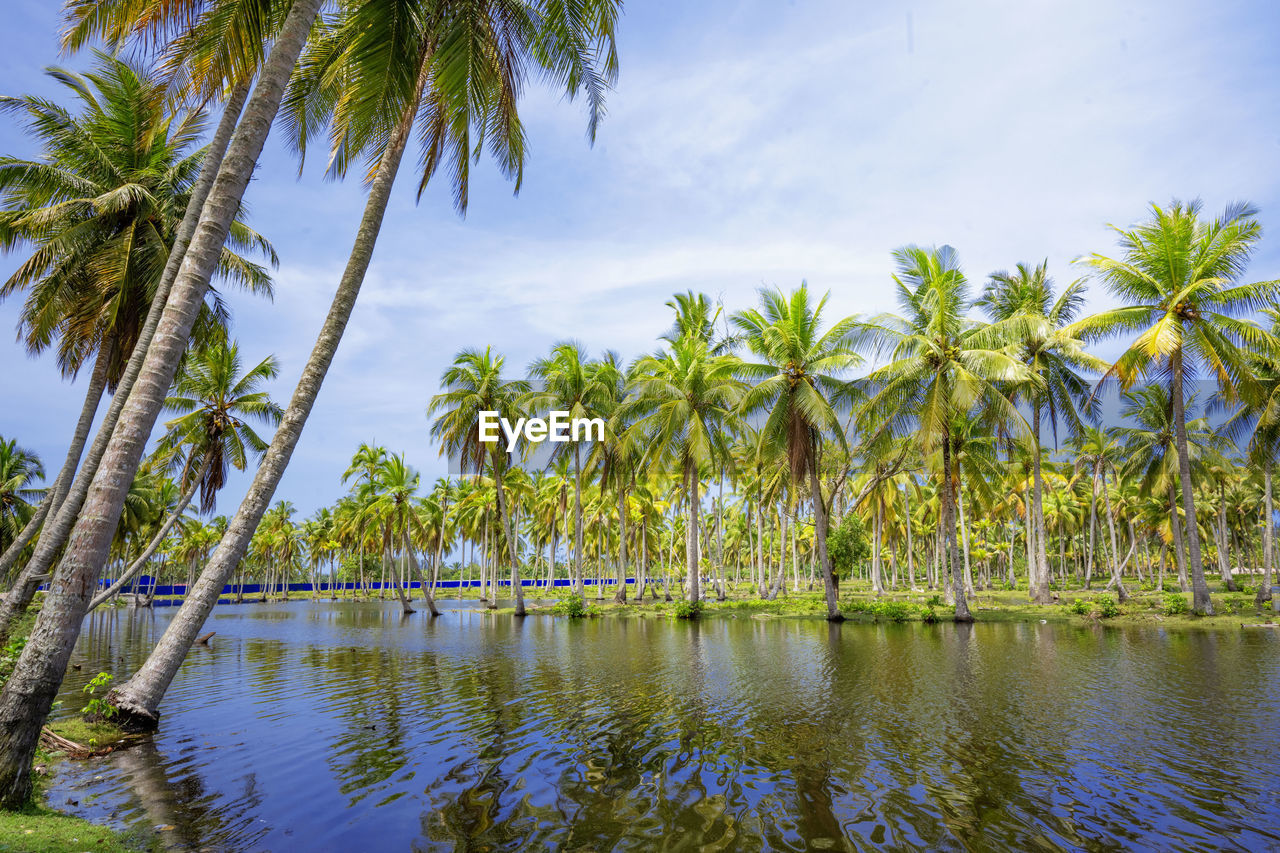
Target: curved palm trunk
{"points": [[1200, 600], [1224, 546], [69, 507], [58, 491], [417, 571], [1268, 535], [1179, 550], [1116, 580], [139, 698], [154, 544], [517, 591], [29, 693]]}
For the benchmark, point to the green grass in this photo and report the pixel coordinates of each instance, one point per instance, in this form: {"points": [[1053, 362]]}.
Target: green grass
{"points": [[39, 829]]}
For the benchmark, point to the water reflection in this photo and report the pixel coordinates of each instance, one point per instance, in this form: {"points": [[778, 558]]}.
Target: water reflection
{"points": [[341, 726]]}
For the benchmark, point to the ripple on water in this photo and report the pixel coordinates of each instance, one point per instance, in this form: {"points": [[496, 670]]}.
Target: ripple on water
{"points": [[338, 726]]}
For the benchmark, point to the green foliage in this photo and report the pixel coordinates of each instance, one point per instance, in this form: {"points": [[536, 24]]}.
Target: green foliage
{"points": [[96, 707], [9, 657], [687, 609], [1080, 607], [934, 601], [1108, 608], [574, 607], [1175, 604], [847, 545]]}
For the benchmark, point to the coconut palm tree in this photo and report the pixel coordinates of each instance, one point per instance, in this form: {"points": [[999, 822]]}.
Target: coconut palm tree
{"points": [[683, 403], [99, 211], [1055, 355], [799, 382], [571, 383], [19, 470], [215, 401], [941, 365], [473, 384], [1180, 276], [29, 693]]}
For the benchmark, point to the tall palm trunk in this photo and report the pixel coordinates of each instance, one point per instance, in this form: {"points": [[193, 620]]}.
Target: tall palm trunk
{"points": [[154, 544], [1224, 548], [1039, 572], [417, 571], [620, 596], [1200, 600], [1116, 580], [949, 531], [1268, 535], [691, 531], [139, 698], [517, 591], [29, 693], [58, 491], [821, 526], [577, 519], [1179, 549], [64, 515]]}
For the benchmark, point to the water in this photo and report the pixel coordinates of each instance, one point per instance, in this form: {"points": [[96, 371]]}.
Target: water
{"points": [[342, 726]]}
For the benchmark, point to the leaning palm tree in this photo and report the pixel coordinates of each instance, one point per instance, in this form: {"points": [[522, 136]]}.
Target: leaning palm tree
{"points": [[1180, 277], [456, 70], [799, 382], [1055, 355], [683, 403], [99, 212], [29, 693], [941, 366], [474, 384], [212, 433]]}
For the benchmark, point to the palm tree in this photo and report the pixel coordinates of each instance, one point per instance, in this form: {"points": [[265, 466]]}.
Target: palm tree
{"points": [[798, 382], [460, 75], [571, 383], [683, 402], [19, 469], [1054, 354], [1180, 277], [1100, 452], [941, 366], [215, 399], [29, 692], [364, 465], [99, 210], [475, 384], [1256, 425]]}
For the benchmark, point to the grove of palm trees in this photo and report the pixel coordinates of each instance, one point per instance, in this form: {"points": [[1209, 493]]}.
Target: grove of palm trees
{"points": [[839, 535]]}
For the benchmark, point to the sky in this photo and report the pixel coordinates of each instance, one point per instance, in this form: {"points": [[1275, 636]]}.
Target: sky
{"points": [[747, 144]]}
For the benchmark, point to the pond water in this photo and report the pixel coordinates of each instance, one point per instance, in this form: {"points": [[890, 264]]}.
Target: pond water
{"points": [[346, 727]]}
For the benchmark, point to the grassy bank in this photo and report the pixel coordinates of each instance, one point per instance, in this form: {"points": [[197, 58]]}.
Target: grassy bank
{"points": [[1149, 608], [39, 828]]}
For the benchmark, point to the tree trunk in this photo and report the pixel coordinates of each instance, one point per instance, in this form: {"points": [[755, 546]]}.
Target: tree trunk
{"points": [[691, 533], [57, 492], [64, 515], [820, 529], [1200, 600], [1179, 551], [140, 697], [577, 520], [620, 596], [949, 531], [30, 691], [1039, 573], [147, 552], [1268, 535], [504, 514]]}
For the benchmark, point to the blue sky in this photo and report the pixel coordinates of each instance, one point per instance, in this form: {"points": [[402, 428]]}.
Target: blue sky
{"points": [[748, 144]]}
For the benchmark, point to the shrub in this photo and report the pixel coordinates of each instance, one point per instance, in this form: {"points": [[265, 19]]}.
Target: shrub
{"points": [[97, 708], [934, 601], [894, 611], [928, 615], [685, 609], [1175, 604], [572, 606], [1107, 606], [9, 657], [1080, 607]]}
